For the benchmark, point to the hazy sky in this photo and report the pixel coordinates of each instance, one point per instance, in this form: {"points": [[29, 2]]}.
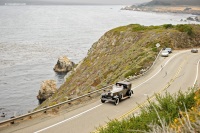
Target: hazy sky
{"points": [[123, 2], [109, 1], [113, 2]]}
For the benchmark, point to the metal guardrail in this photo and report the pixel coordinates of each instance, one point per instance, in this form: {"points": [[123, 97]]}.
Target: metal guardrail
{"points": [[44, 110]]}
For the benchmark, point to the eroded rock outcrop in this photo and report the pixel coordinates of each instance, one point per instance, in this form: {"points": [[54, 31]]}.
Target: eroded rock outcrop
{"points": [[47, 89], [63, 65]]}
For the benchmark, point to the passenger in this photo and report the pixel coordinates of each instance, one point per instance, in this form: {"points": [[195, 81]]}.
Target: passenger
{"points": [[122, 86]]}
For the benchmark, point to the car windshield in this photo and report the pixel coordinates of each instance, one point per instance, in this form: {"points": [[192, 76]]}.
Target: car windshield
{"points": [[165, 52], [168, 49]]}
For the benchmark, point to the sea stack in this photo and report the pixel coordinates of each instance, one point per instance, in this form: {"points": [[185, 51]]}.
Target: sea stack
{"points": [[47, 89], [64, 65]]}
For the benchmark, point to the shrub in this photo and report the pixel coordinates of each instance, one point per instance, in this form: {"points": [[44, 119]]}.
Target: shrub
{"points": [[137, 27], [165, 108], [131, 72], [185, 28], [154, 49], [167, 26]]}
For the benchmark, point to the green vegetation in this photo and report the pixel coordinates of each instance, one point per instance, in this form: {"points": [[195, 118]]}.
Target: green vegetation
{"points": [[167, 26], [120, 53], [181, 27], [135, 28], [164, 111], [185, 28], [131, 72]]}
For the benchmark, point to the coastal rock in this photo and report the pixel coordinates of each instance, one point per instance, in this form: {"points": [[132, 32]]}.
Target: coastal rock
{"points": [[63, 65], [197, 18], [47, 89], [190, 18]]}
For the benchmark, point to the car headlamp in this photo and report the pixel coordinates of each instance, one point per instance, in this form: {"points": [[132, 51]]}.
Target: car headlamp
{"points": [[111, 94]]}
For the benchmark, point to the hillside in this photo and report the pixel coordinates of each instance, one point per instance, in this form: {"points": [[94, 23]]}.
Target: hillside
{"points": [[174, 2], [120, 53], [169, 6]]}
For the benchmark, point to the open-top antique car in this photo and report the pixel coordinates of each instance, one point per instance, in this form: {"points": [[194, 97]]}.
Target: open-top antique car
{"points": [[120, 90]]}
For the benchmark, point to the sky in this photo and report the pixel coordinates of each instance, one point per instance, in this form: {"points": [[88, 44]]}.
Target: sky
{"points": [[125, 2], [117, 2]]}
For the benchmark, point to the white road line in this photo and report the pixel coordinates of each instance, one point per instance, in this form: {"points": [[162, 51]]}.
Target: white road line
{"points": [[68, 119], [159, 70], [196, 73]]}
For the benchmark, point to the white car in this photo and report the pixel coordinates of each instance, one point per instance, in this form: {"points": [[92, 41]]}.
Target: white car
{"points": [[168, 49], [194, 50], [165, 53]]}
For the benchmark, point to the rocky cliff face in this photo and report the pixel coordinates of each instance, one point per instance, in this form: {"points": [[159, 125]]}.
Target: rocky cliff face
{"points": [[123, 52]]}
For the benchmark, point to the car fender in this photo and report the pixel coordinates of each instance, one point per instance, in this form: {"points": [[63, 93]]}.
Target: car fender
{"points": [[116, 96], [132, 91]]}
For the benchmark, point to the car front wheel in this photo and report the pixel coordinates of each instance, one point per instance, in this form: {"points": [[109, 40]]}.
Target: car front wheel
{"points": [[103, 101], [116, 101]]}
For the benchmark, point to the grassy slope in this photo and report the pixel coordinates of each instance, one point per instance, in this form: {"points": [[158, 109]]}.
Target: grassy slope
{"points": [[122, 52]]}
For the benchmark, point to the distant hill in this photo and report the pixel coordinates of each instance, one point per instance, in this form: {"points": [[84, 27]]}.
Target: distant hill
{"points": [[173, 2]]}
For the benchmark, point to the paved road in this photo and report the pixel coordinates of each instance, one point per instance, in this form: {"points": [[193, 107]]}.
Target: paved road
{"points": [[176, 72]]}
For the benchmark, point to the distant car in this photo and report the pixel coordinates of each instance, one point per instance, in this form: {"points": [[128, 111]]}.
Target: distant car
{"points": [[194, 50], [120, 90], [165, 53], [169, 50]]}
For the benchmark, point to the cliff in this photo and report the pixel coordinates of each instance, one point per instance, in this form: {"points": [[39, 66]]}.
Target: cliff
{"points": [[123, 52], [174, 2], [166, 6]]}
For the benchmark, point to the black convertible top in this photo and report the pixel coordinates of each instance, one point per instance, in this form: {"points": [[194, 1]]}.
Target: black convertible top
{"points": [[123, 82]]}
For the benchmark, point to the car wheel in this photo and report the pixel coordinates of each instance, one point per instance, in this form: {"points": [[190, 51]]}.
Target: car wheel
{"points": [[129, 94], [116, 101], [103, 101]]}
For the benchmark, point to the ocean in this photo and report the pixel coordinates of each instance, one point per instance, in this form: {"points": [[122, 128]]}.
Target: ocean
{"points": [[33, 37]]}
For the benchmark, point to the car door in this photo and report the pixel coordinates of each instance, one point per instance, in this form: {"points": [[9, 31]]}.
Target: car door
{"points": [[125, 88]]}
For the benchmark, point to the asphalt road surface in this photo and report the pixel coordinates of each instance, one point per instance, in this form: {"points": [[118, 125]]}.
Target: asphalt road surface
{"points": [[177, 72]]}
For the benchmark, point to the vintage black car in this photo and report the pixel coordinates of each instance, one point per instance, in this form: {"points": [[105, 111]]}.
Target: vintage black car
{"points": [[120, 90]]}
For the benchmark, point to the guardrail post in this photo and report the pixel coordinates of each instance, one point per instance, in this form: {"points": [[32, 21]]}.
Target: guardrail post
{"points": [[89, 94]]}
